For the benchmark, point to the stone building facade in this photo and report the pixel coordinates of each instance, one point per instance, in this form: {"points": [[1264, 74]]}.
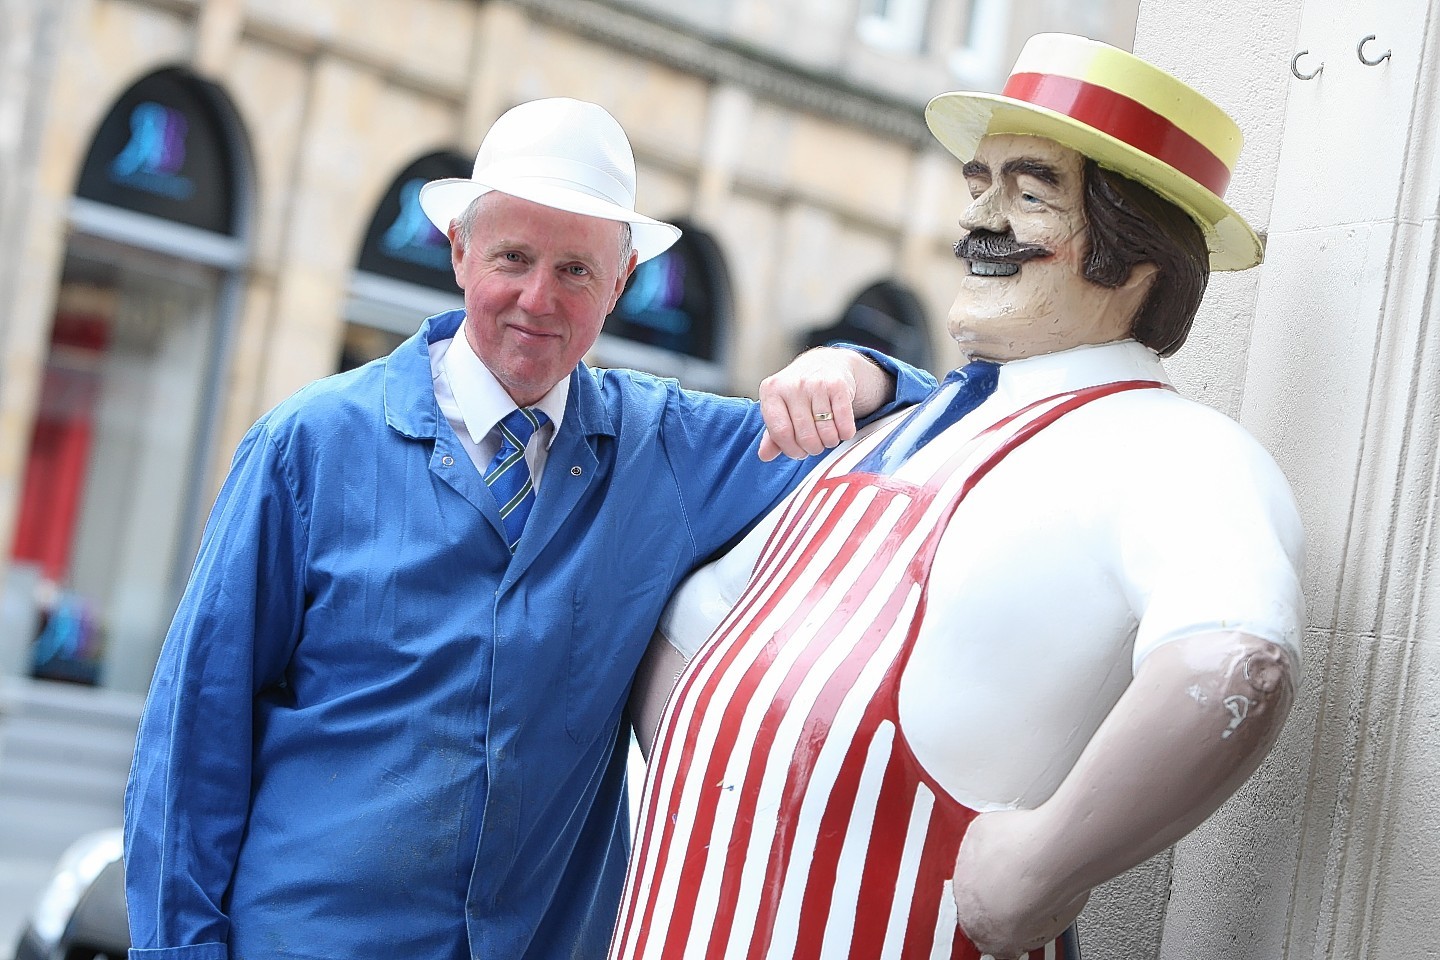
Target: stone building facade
{"points": [[210, 204], [139, 336]]}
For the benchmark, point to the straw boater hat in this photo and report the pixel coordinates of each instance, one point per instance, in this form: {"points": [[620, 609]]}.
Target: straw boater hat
{"points": [[563, 153], [1124, 114]]}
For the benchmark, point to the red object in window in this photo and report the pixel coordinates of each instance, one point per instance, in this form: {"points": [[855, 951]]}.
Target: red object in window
{"points": [[60, 445]]}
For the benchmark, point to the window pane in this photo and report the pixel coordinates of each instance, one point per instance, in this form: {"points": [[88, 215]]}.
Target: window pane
{"points": [[363, 344], [111, 460]]}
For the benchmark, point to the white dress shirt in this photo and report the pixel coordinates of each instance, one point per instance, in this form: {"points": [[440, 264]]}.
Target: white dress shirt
{"points": [[473, 401]]}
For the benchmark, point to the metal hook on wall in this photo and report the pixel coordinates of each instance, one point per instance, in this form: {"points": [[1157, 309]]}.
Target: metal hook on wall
{"points": [[1295, 66], [1360, 52]]}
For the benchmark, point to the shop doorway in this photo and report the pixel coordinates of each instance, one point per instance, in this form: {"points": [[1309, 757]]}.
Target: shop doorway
{"points": [[114, 491]]}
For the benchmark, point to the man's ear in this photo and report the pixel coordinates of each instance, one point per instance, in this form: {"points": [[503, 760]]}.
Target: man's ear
{"points": [[457, 249], [623, 279]]}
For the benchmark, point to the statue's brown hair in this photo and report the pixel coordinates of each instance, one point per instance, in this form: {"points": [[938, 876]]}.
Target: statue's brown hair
{"points": [[1130, 224]]}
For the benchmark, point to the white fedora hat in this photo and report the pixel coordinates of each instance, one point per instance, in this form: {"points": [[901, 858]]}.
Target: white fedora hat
{"points": [[563, 153]]}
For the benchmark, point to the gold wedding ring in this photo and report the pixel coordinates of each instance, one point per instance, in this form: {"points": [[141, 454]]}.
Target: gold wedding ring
{"points": [[822, 417]]}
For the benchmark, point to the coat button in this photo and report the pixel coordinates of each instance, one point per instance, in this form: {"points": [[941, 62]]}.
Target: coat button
{"points": [[448, 461], [575, 471]]}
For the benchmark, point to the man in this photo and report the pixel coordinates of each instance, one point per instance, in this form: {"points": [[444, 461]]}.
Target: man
{"points": [[386, 720], [915, 732]]}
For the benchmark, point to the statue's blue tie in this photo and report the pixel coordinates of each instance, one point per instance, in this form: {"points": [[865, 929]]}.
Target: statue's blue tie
{"points": [[960, 392], [509, 475]]}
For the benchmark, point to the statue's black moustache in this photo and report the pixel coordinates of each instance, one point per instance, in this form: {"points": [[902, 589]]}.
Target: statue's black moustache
{"points": [[992, 247]]}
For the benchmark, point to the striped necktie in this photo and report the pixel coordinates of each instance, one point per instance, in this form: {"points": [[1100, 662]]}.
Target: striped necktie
{"points": [[509, 475], [961, 391]]}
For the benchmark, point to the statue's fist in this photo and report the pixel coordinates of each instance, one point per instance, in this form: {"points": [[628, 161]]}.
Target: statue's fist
{"points": [[1006, 901]]}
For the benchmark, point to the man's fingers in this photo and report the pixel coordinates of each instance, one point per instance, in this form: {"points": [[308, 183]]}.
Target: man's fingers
{"points": [[779, 427], [804, 429], [790, 423], [809, 406], [825, 427], [842, 406]]}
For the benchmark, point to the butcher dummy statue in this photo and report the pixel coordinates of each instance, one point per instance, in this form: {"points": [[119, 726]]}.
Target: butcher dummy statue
{"points": [[1017, 639]]}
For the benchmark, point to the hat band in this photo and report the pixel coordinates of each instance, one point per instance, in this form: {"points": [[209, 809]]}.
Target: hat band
{"points": [[566, 174], [1124, 119]]}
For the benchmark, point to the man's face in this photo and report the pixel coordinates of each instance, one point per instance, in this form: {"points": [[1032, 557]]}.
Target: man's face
{"points": [[1024, 293], [538, 285]]}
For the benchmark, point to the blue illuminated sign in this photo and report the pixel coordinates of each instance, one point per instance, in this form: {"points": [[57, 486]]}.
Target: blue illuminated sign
{"points": [[401, 243], [152, 158], [677, 301], [655, 294], [411, 236], [164, 150]]}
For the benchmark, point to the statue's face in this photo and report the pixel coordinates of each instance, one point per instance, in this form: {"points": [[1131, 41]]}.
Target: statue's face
{"points": [[1023, 292]]}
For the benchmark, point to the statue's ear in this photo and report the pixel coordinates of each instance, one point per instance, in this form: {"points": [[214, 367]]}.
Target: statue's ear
{"points": [[1142, 275], [1130, 295]]}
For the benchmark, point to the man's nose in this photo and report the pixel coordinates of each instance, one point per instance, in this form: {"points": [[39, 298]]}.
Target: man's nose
{"points": [[537, 296], [984, 213]]}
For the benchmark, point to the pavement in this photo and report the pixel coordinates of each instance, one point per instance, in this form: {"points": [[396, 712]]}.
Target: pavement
{"points": [[64, 755]]}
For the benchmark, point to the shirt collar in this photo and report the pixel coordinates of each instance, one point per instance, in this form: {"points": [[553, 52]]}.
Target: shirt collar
{"points": [[1035, 378], [482, 401]]}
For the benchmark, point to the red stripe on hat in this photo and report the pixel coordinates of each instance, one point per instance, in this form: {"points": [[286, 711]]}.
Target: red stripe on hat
{"points": [[1124, 119]]}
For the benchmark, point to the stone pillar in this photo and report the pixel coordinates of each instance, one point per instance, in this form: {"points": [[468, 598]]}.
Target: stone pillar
{"points": [[32, 212], [217, 37], [731, 114], [1327, 353]]}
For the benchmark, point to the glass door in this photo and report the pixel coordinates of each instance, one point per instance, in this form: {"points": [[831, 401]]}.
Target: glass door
{"points": [[98, 560]]}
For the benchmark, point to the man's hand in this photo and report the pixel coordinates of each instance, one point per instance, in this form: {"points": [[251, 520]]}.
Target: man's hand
{"points": [[811, 405], [1005, 900]]}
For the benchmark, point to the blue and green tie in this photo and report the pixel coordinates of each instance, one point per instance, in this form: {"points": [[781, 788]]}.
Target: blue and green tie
{"points": [[509, 475]]}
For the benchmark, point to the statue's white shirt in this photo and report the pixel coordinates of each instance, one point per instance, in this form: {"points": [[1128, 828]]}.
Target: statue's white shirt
{"points": [[1139, 519]]}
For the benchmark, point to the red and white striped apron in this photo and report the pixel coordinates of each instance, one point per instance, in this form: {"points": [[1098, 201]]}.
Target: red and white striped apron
{"points": [[784, 815]]}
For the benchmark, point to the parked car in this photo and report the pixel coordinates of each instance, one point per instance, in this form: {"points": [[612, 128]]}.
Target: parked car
{"points": [[81, 912]]}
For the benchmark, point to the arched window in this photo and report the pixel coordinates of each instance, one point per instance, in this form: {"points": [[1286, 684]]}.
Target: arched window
{"points": [[114, 491], [885, 316], [675, 315], [403, 273], [164, 150]]}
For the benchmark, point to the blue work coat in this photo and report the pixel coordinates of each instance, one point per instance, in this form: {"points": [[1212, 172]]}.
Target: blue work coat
{"points": [[372, 733]]}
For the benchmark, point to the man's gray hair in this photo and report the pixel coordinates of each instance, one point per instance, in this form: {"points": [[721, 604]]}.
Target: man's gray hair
{"points": [[467, 219]]}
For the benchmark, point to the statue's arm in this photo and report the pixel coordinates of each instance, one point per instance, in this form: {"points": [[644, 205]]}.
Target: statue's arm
{"points": [[655, 678], [1196, 721]]}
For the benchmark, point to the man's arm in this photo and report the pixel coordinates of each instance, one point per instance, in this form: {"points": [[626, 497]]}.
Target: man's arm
{"points": [[696, 609], [1197, 720], [843, 386], [187, 801]]}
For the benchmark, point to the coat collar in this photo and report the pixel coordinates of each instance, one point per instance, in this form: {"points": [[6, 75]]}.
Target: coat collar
{"points": [[410, 405]]}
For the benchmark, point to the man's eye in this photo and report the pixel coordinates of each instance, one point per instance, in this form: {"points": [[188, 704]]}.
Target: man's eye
{"points": [[1030, 198], [579, 270]]}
